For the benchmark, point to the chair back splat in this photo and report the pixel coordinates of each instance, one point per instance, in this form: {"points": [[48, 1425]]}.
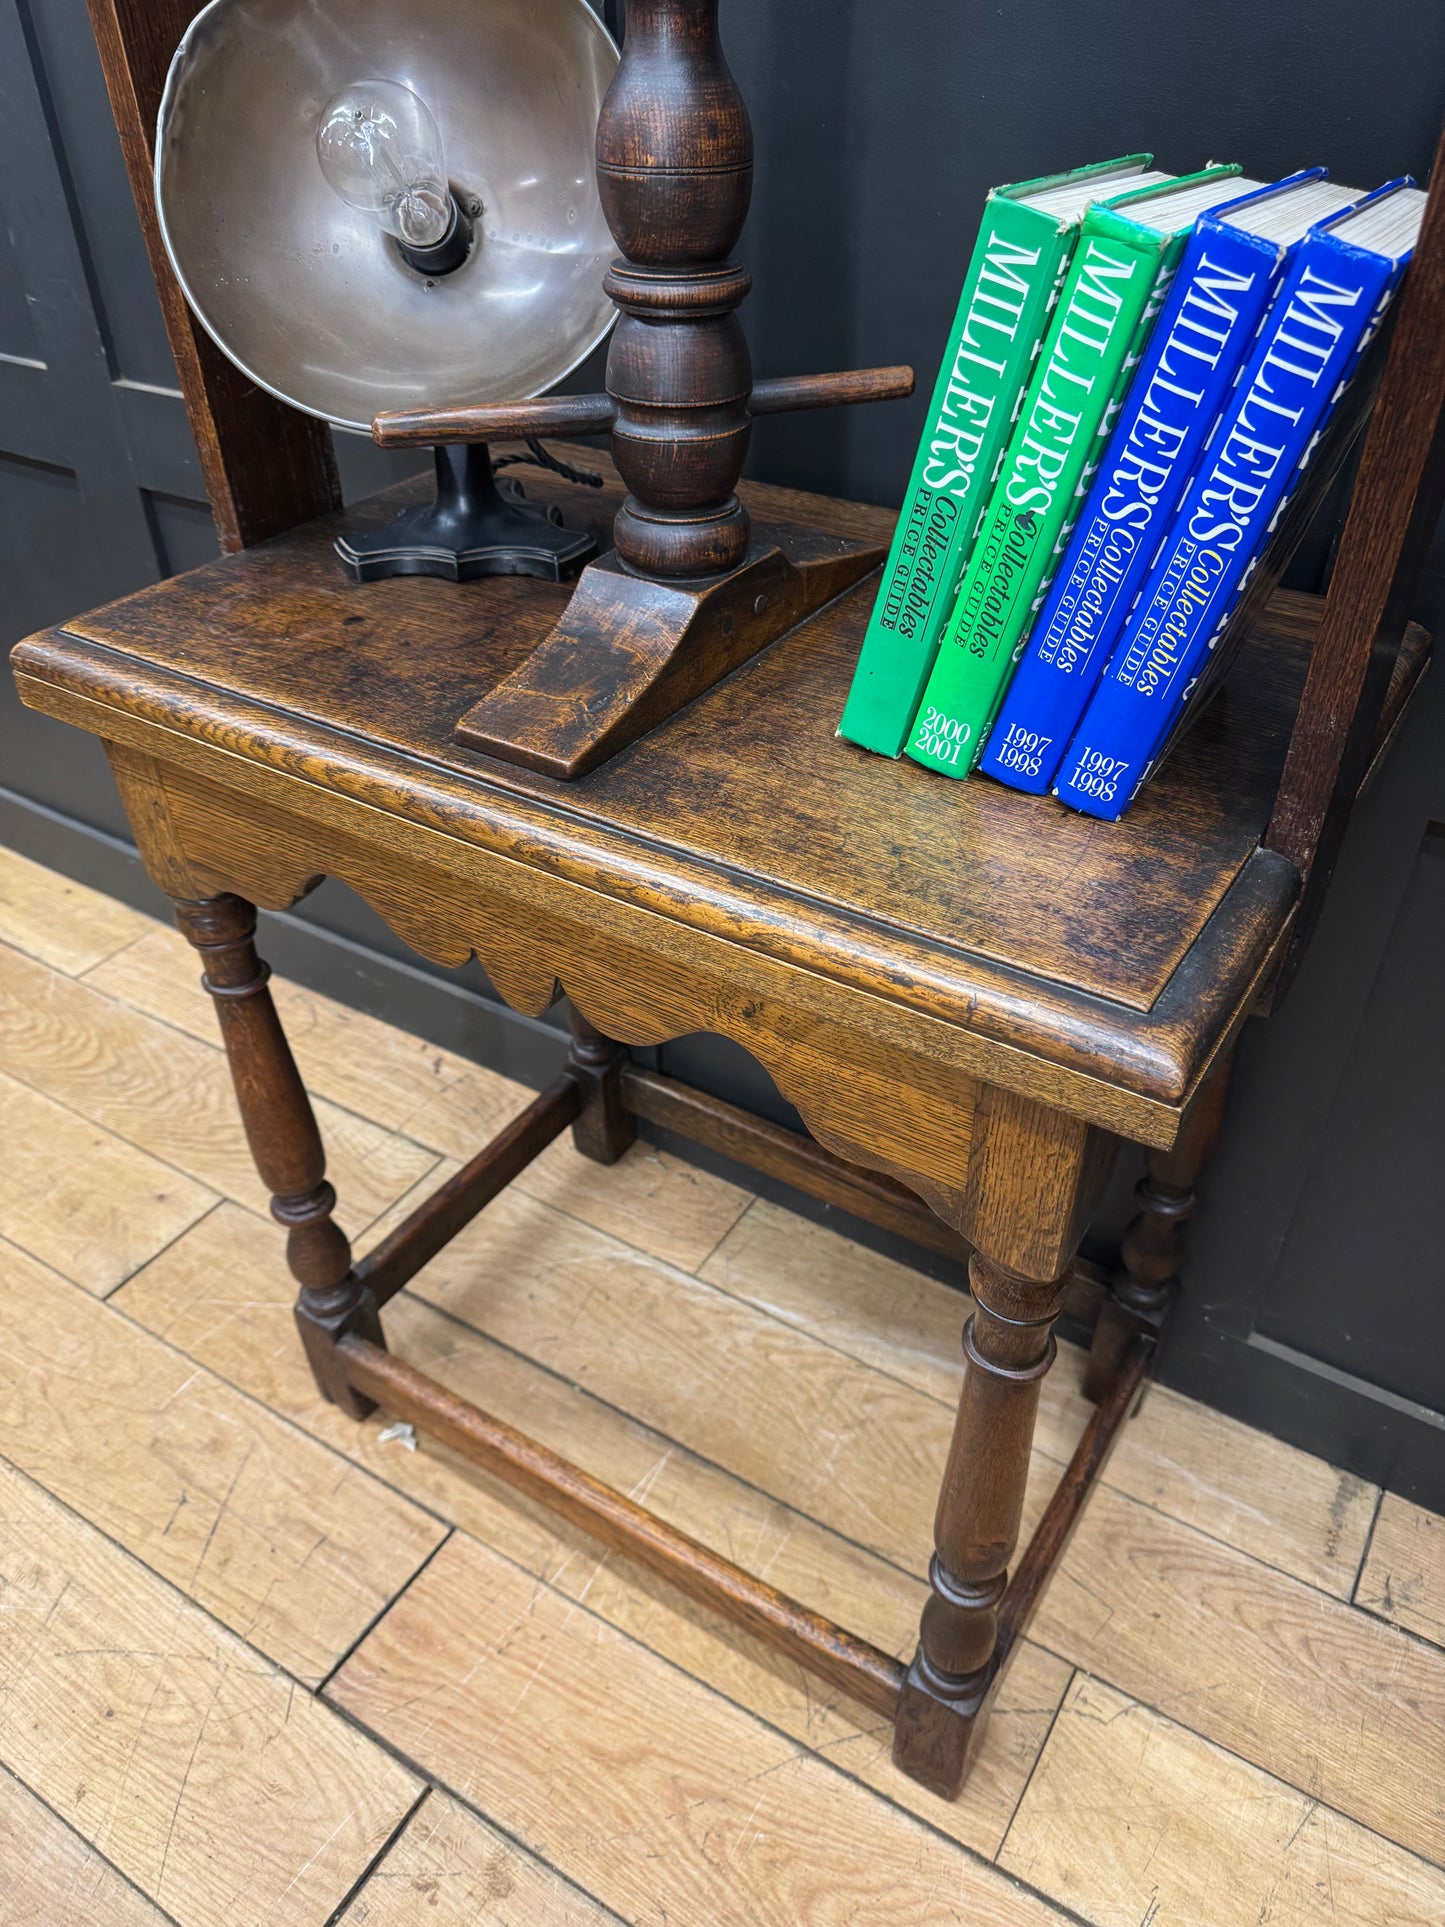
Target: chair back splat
{"points": [[1394, 507], [266, 466]]}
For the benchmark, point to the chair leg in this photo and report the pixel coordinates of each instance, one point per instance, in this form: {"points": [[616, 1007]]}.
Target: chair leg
{"points": [[285, 1143], [605, 1128], [1153, 1246], [1008, 1346]]}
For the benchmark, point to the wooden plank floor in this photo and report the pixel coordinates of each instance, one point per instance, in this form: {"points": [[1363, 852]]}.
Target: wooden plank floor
{"points": [[258, 1664]]}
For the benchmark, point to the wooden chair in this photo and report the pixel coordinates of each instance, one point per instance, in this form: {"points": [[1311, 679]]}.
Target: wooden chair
{"points": [[970, 996]]}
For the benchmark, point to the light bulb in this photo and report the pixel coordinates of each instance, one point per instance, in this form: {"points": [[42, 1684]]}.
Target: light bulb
{"points": [[381, 151]]}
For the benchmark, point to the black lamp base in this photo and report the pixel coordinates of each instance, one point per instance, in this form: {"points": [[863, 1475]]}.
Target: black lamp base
{"points": [[472, 529]]}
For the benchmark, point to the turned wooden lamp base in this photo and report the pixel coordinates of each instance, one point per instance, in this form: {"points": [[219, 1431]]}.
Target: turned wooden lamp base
{"points": [[690, 590], [631, 651]]}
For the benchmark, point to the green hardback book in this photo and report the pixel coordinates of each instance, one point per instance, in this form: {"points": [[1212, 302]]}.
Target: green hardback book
{"points": [[1024, 243], [1127, 252]]}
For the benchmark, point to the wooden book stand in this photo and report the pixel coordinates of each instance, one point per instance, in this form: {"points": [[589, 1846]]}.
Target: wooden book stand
{"points": [[906, 956]]}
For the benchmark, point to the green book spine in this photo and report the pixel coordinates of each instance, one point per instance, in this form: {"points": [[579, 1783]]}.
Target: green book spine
{"points": [[1013, 279], [1115, 286]]}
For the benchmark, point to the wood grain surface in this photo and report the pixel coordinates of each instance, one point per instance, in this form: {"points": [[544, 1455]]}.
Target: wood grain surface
{"points": [[968, 993], [1240, 1745], [592, 1311], [769, 792], [82, 1198], [533, 912], [446, 1102], [1403, 1578], [1346, 1708], [743, 819], [257, 1524], [171, 1095], [1241, 1635], [1254, 1492], [1290, 1860], [49, 1874], [216, 1297], [62, 922], [150, 1730], [450, 1869], [648, 1820]]}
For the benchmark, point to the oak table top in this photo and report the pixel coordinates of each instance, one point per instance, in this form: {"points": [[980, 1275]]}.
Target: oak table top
{"points": [[1123, 953]]}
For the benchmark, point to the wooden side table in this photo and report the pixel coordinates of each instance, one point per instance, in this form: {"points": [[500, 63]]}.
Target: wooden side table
{"points": [[970, 996]]}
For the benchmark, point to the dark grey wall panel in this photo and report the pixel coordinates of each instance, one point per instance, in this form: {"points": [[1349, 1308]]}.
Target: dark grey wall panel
{"points": [[49, 568], [881, 127], [1381, 1150], [106, 227], [1294, 1324], [182, 530], [17, 332]]}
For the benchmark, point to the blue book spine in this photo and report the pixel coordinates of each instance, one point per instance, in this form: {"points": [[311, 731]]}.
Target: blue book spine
{"points": [[1200, 342], [1333, 295]]}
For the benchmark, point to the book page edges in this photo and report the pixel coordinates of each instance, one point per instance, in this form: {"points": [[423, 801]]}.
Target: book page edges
{"points": [[1011, 190]]}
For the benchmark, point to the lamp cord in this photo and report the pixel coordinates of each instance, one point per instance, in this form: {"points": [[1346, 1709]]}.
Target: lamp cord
{"points": [[539, 457]]}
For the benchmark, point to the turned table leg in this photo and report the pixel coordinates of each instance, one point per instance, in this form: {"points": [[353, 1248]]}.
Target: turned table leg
{"points": [[605, 1128], [1008, 1346], [1153, 1246], [285, 1143]]}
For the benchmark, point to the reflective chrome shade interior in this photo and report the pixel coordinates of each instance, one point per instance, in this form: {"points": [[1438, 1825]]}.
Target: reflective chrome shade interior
{"points": [[309, 297]]}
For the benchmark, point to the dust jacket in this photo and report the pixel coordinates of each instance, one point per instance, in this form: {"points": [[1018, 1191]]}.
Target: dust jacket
{"points": [[1115, 287], [1327, 309], [1013, 280], [1199, 344]]}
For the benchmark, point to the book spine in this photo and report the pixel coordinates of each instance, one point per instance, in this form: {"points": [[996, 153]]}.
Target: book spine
{"points": [[1013, 279], [1204, 333], [1096, 323], [1212, 668], [1309, 342]]}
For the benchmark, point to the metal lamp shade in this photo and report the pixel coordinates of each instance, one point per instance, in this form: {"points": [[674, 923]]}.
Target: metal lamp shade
{"points": [[310, 298]]}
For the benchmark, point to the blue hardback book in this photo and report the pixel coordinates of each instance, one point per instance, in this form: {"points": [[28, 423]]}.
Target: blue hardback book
{"points": [[1331, 301], [1232, 266]]}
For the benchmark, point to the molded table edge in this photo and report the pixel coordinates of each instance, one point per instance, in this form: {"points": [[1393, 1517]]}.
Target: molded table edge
{"points": [[1160, 1055]]}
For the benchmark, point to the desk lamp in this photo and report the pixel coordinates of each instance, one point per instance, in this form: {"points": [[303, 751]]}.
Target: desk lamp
{"points": [[382, 204]]}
